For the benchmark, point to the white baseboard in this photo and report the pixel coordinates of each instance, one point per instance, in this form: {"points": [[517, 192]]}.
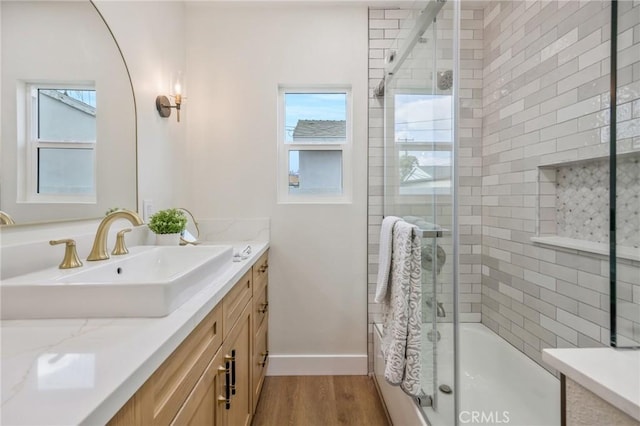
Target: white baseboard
{"points": [[317, 365]]}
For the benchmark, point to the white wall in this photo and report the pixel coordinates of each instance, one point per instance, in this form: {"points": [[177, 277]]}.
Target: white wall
{"points": [[151, 37], [236, 57]]}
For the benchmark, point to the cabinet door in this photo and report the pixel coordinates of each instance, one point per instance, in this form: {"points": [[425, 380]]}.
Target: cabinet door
{"points": [[260, 362], [237, 349], [206, 403]]}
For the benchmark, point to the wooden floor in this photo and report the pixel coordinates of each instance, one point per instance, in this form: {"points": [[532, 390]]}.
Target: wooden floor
{"points": [[319, 401]]}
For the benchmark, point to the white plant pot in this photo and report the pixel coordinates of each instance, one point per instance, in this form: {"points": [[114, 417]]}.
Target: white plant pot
{"points": [[167, 239]]}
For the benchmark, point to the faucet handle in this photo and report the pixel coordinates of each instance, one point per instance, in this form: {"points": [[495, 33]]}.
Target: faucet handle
{"points": [[120, 247], [71, 259]]}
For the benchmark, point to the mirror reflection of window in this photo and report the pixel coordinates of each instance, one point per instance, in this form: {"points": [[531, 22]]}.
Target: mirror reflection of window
{"points": [[66, 115], [65, 171], [63, 137], [423, 137]]}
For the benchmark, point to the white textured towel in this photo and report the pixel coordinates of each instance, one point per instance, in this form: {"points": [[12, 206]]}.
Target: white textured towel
{"points": [[402, 310], [384, 256]]}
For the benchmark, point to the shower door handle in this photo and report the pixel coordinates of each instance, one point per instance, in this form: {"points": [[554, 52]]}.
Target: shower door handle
{"points": [[433, 233]]}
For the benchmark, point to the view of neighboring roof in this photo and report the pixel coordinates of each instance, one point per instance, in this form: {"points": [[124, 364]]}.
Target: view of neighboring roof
{"points": [[417, 174], [320, 129], [82, 100]]}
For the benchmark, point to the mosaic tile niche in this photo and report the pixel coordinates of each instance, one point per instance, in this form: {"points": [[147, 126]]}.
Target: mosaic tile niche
{"points": [[582, 201]]}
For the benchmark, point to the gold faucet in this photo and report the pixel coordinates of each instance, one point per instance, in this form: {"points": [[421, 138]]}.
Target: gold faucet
{"points": [[99, 250], [5, 219], [71, 259]]}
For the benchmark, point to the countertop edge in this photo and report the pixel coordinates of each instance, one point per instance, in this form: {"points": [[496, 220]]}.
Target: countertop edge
{"points": [[558, 359]]}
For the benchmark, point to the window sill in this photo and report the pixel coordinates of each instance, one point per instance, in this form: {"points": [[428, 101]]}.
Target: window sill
{"points": [[316, 201]]}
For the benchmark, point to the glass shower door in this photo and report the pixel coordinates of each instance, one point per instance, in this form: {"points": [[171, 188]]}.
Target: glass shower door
{"points": [[625, 178], [419, 188]]}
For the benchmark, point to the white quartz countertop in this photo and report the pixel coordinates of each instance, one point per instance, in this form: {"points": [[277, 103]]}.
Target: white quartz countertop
{"points": [[612, 374], [81, 371]]}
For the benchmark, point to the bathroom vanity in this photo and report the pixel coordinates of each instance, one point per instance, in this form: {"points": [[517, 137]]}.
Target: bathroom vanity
{"points": [[215, 376], [204, 363], [599, 385]]}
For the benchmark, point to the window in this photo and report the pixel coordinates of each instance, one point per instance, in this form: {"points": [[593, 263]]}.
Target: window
{"points": [[423, 136], [314, 145], [60, 143]]}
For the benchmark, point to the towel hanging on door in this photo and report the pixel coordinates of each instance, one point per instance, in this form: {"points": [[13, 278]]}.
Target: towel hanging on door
{"points": [[402, 311], [384, 257]]}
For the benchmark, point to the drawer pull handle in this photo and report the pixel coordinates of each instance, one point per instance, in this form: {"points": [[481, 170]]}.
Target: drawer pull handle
{"points": [[222, 399], [227, 383], [264, 308], [264, 268], [232, 358], [264, 359]]}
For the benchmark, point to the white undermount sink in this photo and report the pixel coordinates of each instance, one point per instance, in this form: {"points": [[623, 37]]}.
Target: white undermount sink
{"points": [[150, 281]]}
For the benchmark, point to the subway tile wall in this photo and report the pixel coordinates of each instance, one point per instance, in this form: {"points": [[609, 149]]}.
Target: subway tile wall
{"points": [[384, 28], [534, 100], [546, 77]]}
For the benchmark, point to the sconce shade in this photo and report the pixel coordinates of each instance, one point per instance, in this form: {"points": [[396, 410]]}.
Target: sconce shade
{"points": [[163, 106], [176, 84]]}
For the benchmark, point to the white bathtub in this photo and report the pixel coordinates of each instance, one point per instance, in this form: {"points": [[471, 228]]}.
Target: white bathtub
{"points": [[500, 385]]}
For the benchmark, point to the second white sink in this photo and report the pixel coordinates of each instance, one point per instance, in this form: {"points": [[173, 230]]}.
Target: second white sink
{"points": [[149, 282]]}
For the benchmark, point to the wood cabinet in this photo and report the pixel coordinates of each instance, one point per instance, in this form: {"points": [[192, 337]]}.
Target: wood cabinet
{"points": [[237, 348], [215, 376], [234, 302], [260, 325], [205, 405]]}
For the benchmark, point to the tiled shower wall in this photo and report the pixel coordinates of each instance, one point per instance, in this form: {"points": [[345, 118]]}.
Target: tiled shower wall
{"points": [[546, 79], [384, 27], [540, 102], [582, 194]]}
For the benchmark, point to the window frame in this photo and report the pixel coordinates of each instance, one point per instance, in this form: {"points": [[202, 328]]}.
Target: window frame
{"points": [[284, 148], [34, 143]]}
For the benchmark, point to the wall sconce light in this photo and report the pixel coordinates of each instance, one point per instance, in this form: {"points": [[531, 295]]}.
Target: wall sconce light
{"points": [[163, 104]]}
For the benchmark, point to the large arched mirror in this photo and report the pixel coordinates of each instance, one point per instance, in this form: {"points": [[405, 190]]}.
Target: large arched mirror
{"points": [[68, 143]]}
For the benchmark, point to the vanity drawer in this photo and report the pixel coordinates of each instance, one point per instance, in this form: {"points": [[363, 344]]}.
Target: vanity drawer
{"points": [[260, 273], [260, 308], [234, 302], [160, 398]]}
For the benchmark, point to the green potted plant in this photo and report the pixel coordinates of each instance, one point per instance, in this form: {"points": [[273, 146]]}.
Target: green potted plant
{"points": [[167, 225]]}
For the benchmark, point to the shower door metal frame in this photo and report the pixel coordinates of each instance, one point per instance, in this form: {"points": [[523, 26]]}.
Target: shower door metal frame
{"points": [[613, 157]]}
